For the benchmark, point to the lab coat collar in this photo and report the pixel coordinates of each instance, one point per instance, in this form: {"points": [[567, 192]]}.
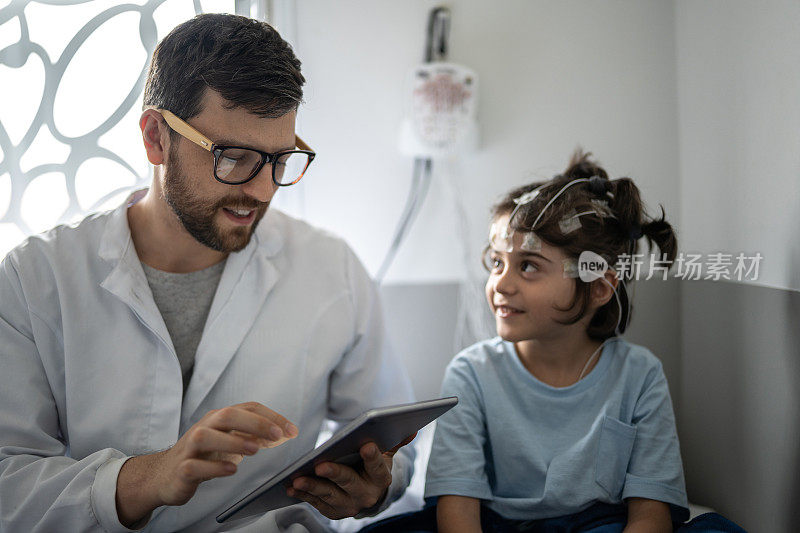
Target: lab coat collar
{"points": [[126, 280], [247, 279]]}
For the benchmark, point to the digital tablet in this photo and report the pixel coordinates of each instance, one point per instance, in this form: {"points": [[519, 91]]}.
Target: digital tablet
{"points": [[386, 426]]}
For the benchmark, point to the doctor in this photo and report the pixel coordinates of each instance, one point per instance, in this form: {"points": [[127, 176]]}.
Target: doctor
{"points": [[159, 360]]}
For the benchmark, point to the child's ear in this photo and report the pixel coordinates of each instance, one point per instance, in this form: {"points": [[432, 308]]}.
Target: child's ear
{"points": [[603, 289]]}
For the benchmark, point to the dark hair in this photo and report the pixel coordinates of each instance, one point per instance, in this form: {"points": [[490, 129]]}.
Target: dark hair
{"points": [[608, 236], [245, 60]]}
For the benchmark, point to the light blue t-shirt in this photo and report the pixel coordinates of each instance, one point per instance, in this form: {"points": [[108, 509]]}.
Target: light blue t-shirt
{"points": [[533, 451]]}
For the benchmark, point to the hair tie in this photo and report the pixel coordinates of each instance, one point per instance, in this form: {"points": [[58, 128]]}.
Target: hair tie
{"points": [[636, 232], [598, 186]]}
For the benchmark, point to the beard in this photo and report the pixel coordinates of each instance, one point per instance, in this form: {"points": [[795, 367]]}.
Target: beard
{"points": [[198, 216]]}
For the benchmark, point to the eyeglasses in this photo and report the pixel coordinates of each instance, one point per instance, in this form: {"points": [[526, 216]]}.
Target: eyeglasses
{"points": [[235, 165]]}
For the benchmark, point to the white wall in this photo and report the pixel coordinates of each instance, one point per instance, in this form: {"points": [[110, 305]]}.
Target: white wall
{"points": [[553, 75], [739, 109]]}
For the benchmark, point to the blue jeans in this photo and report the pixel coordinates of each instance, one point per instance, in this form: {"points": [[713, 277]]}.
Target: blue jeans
{"points": [[599, 518]]}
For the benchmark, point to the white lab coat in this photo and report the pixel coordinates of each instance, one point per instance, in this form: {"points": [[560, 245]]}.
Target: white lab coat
{"points": [[89, 376]]}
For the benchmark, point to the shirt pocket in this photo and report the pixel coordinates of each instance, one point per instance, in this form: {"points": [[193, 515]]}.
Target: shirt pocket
{"points": [[613, 454]]}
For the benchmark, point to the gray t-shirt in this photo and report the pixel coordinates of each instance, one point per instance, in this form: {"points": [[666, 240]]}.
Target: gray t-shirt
{"points": [[184, 301]]}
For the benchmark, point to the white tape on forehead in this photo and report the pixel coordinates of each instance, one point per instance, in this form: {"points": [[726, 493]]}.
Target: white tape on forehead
{"points": [[570, 268], [531, 242], [499, 237]]}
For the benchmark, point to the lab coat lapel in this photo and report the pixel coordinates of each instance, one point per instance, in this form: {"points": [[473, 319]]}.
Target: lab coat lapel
{"points": [[126, 280], [248, 278]]}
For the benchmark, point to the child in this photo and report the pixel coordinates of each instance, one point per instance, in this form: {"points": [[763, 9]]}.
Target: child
{"points": [[560, 422]]}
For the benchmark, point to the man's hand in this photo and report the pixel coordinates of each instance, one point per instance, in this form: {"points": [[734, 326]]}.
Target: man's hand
{"points": [[209, 449], [340, 491]]}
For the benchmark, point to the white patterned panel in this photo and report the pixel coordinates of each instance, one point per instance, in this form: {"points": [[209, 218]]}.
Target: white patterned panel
{"points": [[71, 80]]}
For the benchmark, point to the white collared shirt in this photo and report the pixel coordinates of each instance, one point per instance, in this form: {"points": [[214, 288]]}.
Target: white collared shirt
{"points": [[89, 377]]}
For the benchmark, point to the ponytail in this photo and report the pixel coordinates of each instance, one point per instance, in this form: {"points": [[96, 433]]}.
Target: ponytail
{"points": [[633, 221], [660, 232]]}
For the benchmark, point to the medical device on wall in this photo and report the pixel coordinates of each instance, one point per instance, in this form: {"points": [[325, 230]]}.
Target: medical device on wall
{"points": [[441, 99], [441, 110], [439, 124], [440, 120]]}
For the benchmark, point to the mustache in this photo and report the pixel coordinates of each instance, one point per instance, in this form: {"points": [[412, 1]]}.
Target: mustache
{"points": [[240, 203]]}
